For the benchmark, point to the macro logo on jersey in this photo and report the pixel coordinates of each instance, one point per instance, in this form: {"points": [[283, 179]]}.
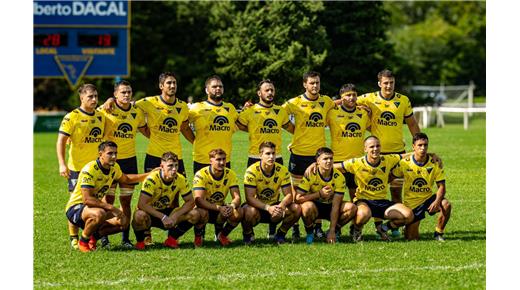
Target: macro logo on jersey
{"points": [[93, 136], [266, 194], [419, 185], [124, 131], [162, 202], [220, 123], [216, 197], [375, 184], [387, 119], [315, 120], [270, 126], [352, 130], [169, 125]]}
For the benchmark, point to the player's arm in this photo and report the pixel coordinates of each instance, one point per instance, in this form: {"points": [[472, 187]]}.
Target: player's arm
{"points": [[90, 201], [241, 126], [144, 204], [145, 130], [235, 193], [289, 127], [302, 196], [200, 201], [133, 178], [412, 125], [334, 215], [109, 105], [187, 132], [61, 145], [441, 192], [287, 196], [189, 204]]}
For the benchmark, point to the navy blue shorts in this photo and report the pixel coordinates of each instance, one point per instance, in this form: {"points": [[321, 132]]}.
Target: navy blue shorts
{"points": [[324, 210], [251, 160], [198, 166], [212, 216], [74, 215], [128, 166], [420, 211], [377, 207], [156, 222], [152, 162], [298, 163], [73, 179]]}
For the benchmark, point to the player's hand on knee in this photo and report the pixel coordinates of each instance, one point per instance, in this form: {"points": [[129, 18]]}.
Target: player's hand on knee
{"points": [[167, 221], [326, 192], [434, 206]]}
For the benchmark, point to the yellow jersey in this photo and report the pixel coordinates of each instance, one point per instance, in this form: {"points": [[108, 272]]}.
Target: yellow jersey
{"points": [[347, 132], [418, 180], [164, 121], [85, 132], [264, 124], [165, 195], [371, 180], [121, 127], [310, 117], [388, 118], [267, 186], [214, 126], [315, 182], [94, 176], [216, 189]]}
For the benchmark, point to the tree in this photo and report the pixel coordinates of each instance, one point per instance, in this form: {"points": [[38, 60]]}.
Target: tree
{"points": [[275, 40]]}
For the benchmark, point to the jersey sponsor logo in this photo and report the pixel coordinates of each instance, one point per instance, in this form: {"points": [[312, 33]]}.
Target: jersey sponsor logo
{"points": [[270, 127], [93, 136], [216, 197], [420, 185], [266, 194], [220, 123], [162, 202], [169, 126], [387, 119], [315, 120], [124, 131], [352, 130], [375, 184]]}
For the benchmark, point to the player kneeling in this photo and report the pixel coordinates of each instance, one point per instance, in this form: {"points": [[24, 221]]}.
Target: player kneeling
{"points": [[420, 172], [263, 181], [211, 185], [321, 197], [159, 204], [86, 209]]}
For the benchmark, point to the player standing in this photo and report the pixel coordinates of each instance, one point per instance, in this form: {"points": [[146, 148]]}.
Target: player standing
{"points": [[390, 110], [348, 125], [310, 111], [420, 174], [121, 126], [82, 129]]}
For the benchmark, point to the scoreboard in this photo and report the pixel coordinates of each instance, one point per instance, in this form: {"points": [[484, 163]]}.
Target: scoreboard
{"points": [[73, 39]]}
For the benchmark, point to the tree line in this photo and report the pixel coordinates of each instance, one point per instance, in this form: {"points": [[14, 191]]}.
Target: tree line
{"points": [[244, 42]]}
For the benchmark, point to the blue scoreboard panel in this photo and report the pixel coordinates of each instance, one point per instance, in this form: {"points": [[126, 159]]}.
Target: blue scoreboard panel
{"points": [[73, 39]]}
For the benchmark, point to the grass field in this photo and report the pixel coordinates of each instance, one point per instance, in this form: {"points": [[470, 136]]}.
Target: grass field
{"points": [[460, 262]]}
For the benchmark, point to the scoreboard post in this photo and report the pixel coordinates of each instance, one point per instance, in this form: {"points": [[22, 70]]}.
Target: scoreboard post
{"points": [[73, 39]]}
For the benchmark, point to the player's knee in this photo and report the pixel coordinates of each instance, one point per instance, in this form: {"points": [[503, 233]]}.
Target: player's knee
{"points": [[98, 216], [446, 205], [204, 216], [140, 217]]}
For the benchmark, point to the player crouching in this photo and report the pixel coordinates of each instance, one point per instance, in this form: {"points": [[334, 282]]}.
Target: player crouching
{"points": [[263, 181], [159, 204], [420, 172], [86, 209]]}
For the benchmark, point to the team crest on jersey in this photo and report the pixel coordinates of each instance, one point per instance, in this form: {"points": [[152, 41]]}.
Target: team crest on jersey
{"points": [[429, 169], [276, 111], [387, 119], [178, 110]]}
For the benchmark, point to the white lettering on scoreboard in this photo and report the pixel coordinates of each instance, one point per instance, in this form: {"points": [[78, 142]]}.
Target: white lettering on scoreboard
{"points": [[80, 8]]}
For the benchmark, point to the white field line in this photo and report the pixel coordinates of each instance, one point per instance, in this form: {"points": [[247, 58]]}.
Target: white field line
{"points": [[240, 276]]}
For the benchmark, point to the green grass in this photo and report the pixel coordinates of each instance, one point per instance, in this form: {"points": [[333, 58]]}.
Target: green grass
{"points": [[426, 264]]}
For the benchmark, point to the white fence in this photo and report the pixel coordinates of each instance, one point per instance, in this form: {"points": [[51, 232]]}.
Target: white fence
{"points": [[424, 115]]}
